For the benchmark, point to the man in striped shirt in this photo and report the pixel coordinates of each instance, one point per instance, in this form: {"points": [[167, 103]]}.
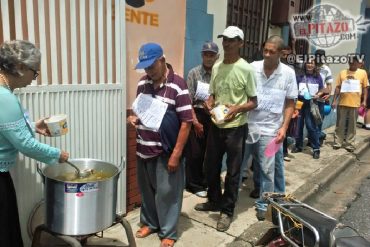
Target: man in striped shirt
{"points": [[159, 168]]}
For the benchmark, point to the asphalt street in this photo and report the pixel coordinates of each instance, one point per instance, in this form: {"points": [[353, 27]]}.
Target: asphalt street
{"points": [[358, 214]]}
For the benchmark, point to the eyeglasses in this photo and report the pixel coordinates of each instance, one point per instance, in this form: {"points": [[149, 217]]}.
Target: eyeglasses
{"points": [[35, 73]]}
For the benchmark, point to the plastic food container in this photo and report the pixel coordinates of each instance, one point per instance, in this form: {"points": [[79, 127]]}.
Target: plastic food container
{"points": [[57, 125]]}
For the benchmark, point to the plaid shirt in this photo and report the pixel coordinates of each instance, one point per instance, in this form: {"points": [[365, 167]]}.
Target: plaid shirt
{"points": [[197, 74]]}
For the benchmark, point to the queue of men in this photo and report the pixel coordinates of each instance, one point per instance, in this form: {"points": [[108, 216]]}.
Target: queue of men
{"points": [[257, 97]]}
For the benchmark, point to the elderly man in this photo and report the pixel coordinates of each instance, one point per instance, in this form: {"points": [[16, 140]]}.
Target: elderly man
{"points": [[198, 82], [351, 83], [233, 88], [159, 170], [276, 91]]}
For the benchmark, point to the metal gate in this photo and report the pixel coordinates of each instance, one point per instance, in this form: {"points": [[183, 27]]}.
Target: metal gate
{"points": [[253, 17], [82, 74]]}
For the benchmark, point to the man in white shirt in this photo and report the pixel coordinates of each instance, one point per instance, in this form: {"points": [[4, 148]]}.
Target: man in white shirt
{"points": [[276, 91]]}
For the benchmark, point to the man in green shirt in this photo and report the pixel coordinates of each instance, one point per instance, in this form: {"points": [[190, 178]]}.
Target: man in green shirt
{"points": [[233, 85]]}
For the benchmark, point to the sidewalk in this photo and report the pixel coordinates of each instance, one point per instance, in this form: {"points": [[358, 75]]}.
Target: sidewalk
{"points": [[303, 174]]}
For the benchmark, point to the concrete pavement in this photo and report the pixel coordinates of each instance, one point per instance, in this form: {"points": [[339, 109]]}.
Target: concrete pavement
{"points": [[304, 176]]}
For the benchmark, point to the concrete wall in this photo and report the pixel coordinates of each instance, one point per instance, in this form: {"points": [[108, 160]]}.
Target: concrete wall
{"points": [[218, 9], [199, 28], [275, 30]]}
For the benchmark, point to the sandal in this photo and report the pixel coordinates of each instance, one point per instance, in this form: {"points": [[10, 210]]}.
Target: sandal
{"points": [[167, 242], [143, 232]]}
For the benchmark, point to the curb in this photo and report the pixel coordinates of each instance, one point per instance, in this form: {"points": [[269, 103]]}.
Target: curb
{"points": [[329, 173], [256, 231]]}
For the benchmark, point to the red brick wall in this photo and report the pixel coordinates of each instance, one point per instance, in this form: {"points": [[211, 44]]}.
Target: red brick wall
{"points": [[133, 195]]}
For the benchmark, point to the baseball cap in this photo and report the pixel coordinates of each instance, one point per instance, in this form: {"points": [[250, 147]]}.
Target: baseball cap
{"points": [[210, 46], [148, 54], [232, 32]]}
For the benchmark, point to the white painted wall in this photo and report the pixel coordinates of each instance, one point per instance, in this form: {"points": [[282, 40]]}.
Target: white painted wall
{"points": [[274, 30], [219, 11]]}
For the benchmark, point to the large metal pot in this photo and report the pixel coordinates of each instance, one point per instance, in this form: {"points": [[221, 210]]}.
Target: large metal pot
{"points": [[80, 208]]}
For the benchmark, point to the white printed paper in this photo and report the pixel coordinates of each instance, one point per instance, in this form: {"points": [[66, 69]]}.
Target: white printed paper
{"points": [[202, 92], [312, 88], [270, 99], [350, 86], [149, 110]]}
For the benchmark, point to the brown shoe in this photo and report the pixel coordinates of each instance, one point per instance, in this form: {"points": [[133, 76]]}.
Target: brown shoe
{"points": [[224, 222]]}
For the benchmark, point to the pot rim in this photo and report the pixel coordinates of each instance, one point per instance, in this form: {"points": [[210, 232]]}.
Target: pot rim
{"points": [[116, 173]]}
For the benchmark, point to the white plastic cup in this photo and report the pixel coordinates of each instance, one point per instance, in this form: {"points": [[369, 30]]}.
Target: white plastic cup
{"points": [[57, 125], [219, 113]]}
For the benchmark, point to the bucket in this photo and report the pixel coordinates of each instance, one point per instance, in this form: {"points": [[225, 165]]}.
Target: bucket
{"points": [[57, 125]]}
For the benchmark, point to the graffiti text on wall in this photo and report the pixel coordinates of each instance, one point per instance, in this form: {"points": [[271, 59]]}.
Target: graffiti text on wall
{"points": [[135, 15]]}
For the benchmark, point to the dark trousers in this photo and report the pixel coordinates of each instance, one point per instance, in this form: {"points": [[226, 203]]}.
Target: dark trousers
{"points": [[10, 230], [230, 141], [194, 154], [285, 146]]}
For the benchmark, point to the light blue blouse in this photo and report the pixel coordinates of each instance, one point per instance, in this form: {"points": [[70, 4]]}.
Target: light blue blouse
{"points": [[17, 135]]}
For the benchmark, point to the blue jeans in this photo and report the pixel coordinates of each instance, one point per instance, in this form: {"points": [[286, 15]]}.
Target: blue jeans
{"points": [[313, 131], [268, 173]]}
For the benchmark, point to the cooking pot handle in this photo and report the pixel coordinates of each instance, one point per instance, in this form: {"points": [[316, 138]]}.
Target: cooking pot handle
{"points": [[38, 168], [123, 164]]}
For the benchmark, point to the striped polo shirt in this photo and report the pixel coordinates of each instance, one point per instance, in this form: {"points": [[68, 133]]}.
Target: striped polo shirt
{"points": [[175, 93]]}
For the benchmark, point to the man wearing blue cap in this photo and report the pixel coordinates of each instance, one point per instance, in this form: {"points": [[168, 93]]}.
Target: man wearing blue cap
{"points": [[233, 87], [159, 170], [199, 77]]}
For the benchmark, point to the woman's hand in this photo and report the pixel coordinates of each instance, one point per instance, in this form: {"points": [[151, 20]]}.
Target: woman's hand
{"points": [[63, 156], [42, 128]]}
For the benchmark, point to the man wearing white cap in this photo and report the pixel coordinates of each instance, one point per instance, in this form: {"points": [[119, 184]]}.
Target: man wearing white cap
{"points": [[232, 85]]}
